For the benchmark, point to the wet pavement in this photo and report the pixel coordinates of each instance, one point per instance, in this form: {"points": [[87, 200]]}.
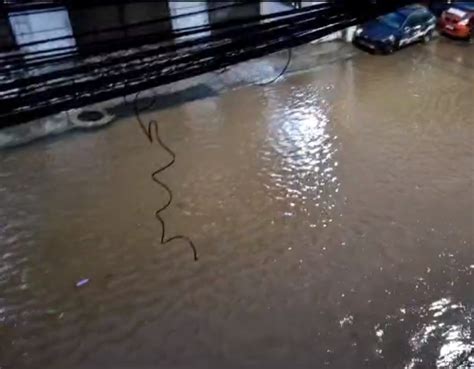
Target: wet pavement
{"points": [[333, 213]]}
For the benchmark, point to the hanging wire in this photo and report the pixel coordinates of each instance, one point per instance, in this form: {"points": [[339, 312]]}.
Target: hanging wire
{"points": [[153, 127], [288, 62], [152, 133]]}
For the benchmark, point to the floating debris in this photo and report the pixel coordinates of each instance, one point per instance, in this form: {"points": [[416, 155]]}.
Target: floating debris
{"points": [[82, 282]]}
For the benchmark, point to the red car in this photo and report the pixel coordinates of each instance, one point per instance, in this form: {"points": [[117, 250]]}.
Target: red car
{"points": [[458, 21]]}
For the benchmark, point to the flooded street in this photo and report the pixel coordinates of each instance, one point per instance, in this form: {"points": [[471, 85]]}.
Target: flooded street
{"points": [[333, 214]]}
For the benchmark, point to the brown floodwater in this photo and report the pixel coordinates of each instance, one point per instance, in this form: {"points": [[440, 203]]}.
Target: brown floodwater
{"points": [[332, 212]]}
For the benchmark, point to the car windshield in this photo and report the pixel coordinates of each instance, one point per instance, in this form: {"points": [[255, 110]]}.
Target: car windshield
{"points": [[394, 20]]}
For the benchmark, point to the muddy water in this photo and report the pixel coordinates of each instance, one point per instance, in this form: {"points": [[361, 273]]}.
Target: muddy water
{"points": [[332, 211]]}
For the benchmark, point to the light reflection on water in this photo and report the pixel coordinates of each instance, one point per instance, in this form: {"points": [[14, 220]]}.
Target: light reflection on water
{"points": [[443, 338], [299, 137]]}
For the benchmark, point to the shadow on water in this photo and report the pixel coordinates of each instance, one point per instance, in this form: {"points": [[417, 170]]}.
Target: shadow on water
{"points": [[166, 101], [25, 134]]}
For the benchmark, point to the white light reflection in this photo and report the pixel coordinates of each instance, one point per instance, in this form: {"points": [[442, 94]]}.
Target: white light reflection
{"points": [[446, 329], [299, 136]]}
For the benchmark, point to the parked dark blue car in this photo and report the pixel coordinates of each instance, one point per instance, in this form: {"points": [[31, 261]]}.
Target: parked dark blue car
{"points": [[390, 32]]}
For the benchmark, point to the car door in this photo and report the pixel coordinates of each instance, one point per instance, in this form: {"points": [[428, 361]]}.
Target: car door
{"points": [[412, 29], [428, 22]]}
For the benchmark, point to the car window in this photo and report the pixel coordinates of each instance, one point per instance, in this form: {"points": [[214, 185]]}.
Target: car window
{"points": [[410, 22], [394, 20], [426, 17], [415, 20]]}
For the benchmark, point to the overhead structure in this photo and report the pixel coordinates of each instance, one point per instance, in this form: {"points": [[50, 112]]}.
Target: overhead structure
{"points": [[139, 47]]}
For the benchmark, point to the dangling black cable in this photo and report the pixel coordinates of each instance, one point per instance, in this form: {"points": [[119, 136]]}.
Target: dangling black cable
{"points": [[281, 73], [148, 130]]}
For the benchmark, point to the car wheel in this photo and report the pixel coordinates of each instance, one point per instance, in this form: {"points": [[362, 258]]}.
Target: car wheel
{"points": [[428, 37], [390, 49]]}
